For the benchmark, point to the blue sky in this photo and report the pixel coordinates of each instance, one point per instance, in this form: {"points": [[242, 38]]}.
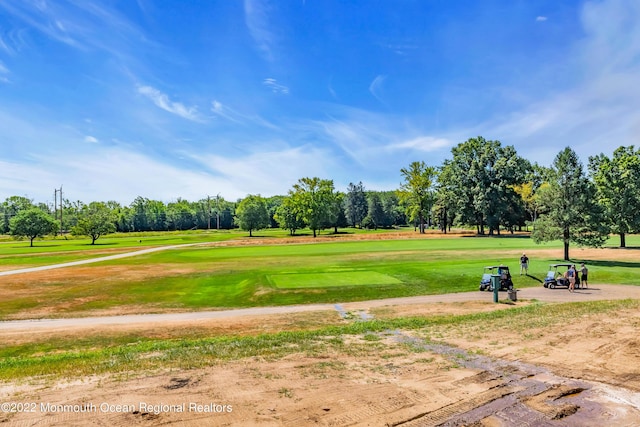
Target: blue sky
{"points": [[167, 99]]}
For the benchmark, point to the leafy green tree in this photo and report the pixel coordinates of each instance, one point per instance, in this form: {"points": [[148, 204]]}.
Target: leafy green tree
{"points": [[480, 178], [95, 220], [355, 204], [417, 192], [393, 212], [32, 223], [618, 189], [314, 200], [252, 214], [569, 199], [335, 213], [10, 208], [181, 215], [273, 203], [375, 217], [140, 217], [288, 216], [529, 191]]}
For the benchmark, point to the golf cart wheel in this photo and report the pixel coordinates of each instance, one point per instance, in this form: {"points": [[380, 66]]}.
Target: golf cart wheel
{"points": [[552, 286]]}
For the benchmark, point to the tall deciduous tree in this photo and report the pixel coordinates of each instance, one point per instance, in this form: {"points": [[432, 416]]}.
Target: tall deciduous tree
{"points": [[355, 204], [94, 221], [480, 177], [572, 213], [618, 189], [417, 191], [314, 199], [375, 217], [288, 216], [252, 214], [32, 223], [10, 208]]}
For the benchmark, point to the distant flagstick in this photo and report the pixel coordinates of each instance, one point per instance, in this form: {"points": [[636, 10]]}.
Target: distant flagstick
{"points": [[55, 205]]}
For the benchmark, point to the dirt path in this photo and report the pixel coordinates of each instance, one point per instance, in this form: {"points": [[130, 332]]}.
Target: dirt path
{"points": [[585, 372], [599, 292], [99, 259], [582, 373]]}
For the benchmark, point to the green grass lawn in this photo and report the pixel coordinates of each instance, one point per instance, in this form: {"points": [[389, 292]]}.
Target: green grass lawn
{"points": [[326, 280], [60, 250], [96, 354], [326, 271]]}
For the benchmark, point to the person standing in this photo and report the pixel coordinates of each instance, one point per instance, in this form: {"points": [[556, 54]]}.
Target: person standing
{"points": [[571, 275], [524, 264], [584, 273]]}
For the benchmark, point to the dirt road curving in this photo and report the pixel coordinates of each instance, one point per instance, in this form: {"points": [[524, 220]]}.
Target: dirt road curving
{"points": [[594, 293]]}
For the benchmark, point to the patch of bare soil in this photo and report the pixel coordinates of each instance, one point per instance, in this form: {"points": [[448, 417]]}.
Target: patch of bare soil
{"points": [[585, 372]]}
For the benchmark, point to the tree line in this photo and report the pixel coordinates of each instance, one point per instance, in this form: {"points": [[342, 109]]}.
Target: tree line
{"points": [[483, 184]]}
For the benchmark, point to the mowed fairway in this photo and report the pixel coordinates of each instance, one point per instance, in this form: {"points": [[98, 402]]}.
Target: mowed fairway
{"points": [[324, 280], [244, 274]]}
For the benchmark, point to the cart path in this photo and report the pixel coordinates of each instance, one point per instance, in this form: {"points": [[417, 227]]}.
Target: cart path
{"points": [[595, 293], [99, 259]]}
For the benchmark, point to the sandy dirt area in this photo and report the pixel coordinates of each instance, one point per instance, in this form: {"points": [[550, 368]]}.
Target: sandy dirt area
{"points": [[582, 373]]}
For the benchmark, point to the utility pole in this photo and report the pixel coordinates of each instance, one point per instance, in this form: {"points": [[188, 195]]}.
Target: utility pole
{"points": [[218, 210], [209, 212], [55, 203], [61, 210]]}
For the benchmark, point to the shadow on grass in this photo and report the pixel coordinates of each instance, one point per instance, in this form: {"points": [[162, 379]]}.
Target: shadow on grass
{"points": [[499, 236], [35, 246], [534, 278], [631, 248], [610, 264]]}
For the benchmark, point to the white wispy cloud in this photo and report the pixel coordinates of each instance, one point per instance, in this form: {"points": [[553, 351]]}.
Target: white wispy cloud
{"points": [[275, 86], [423, 143], [541, 18], [269, 172], [225, 112], [228, 113], [81, 25], [3, 73], [375, 88], [109, 174], [602, 109], [91, 139], [257, 18], [162, 101]]}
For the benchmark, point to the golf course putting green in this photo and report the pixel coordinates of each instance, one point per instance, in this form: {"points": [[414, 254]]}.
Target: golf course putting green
{"points": [[326, 280]]}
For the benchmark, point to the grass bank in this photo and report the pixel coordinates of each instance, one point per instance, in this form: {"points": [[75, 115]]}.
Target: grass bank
{"points": [[97, 355]]}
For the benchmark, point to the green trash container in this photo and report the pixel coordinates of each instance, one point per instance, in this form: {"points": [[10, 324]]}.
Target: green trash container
{"points": [[495, 284]]}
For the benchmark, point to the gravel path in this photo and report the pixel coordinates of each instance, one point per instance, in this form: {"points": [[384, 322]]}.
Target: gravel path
{"points": [[100, 259], [599, 292]]}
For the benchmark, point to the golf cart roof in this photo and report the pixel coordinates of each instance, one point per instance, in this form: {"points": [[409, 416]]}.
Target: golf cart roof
{"points": [[496, 266], [560, 265]]}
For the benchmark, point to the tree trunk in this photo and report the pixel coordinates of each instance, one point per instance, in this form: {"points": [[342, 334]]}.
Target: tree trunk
{"points": [[250, 235], [314, 232], [445, 221], [566, 244], [623, 240], [32, 241]]}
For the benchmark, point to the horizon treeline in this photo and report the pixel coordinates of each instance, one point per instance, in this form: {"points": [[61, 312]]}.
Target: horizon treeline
{"points": [[484, 185]]}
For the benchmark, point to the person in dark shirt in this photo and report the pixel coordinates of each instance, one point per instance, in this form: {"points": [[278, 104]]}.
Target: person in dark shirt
{"points": [[524, 264], [584, 273]]}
